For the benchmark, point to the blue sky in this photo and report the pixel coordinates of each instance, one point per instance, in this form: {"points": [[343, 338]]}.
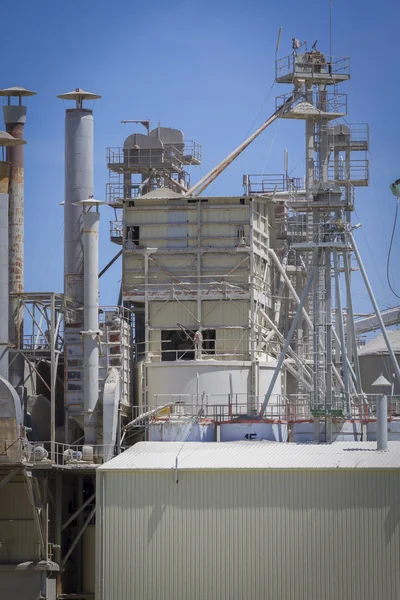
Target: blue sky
{"points": [[204, 67]]}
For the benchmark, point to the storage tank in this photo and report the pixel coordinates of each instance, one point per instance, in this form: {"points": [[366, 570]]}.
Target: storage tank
{"points": [[181, 429], [275, 432], [210, 379], [393, 431], [346, 431]]}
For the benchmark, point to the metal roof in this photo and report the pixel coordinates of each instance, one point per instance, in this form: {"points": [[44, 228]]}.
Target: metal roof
{"points": [[378, 344], [254, 455]]}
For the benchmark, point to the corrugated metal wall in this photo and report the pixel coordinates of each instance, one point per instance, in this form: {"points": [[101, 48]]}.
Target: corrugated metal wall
{"points": [[18, 535], [240, 535]]}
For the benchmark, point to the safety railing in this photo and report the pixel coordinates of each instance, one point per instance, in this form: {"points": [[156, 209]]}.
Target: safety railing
{"points": [[301, 232], [270, 183], [106, 311], [350, 136], [36, 342], [312, 65], [116, 193], [331, 404], [218, 408], [135, 159], [237, 350], [192, 153], [64, 454], [232, 285], [116, 231], [355, 172]]}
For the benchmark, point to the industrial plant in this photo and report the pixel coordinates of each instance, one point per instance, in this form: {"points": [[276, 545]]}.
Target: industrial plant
{"points": [[223, 431]]}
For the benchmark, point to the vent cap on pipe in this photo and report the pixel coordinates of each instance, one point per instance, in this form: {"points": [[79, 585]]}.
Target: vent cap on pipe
{"points": [[17, 91], [79, 94], [381, 382], [91, 202], [381, 386]]}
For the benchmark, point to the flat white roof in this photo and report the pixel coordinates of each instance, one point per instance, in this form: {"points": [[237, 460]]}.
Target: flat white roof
{"points": [[254, 455]]}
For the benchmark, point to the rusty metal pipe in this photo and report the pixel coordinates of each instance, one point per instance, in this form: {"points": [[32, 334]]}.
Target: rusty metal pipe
{"points": [[15, 117], [4, 297]]}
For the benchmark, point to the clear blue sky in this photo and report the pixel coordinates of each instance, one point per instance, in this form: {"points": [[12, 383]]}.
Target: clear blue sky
{"points": [[205, 67]]}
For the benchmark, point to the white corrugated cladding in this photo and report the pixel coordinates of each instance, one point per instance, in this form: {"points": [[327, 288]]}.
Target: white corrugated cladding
{"points": [[258, 521]]}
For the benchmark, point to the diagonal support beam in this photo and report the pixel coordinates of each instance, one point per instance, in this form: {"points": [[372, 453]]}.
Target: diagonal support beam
{"points": [[288, 342], [78, 537], [78, 511], [8, 477]]}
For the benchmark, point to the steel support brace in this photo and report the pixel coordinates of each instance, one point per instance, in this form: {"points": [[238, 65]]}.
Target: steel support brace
{"points": [[78, 511], [288, 342], [78, 536]]}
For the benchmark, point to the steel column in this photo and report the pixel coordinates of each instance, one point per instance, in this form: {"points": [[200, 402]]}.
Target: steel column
{"points": [[381, 422], [79, 175], [91, 220]]}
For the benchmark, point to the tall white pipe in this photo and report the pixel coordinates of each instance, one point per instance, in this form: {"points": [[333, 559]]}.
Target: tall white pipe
{"points": [[79, 178], [382, 386], [381, 422], [90, 334]]}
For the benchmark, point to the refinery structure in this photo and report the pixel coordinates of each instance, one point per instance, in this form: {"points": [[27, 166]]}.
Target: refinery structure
{"points": [[234, 322]]}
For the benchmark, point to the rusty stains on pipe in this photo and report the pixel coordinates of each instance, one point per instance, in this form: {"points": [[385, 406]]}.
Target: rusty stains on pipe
{"points": [[15, 155]]}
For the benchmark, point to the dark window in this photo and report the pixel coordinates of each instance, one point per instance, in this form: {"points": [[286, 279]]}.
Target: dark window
{"points": [[177, 345], [132, 234], [180, 344], [209, 341]]}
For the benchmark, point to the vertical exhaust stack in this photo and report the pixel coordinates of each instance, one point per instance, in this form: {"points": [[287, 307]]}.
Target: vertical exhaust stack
{"points": [[15, 118], [10, 404], [91, 333], [79, 182]]}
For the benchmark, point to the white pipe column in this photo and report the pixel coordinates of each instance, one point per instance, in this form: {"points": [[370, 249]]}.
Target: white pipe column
{"points": [[382, 387], [91, 220], [79, 175], [79, 178]]}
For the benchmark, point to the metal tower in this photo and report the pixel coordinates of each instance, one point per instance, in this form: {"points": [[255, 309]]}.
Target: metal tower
{"points": [[315, 219]]}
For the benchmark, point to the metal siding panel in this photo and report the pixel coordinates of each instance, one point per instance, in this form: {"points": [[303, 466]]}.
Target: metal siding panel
{"points": [[168, 315], [232, 341], [233, 535], [225, 312]]}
